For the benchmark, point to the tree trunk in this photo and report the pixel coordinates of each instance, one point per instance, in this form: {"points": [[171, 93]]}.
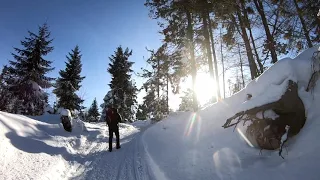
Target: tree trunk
{"points": [[270, 40], [207, 44], [214, 57], [167, 93], [241, 67], [256, 52], [252, 64], [223, 73], [193, 62], [158, 89], [304, 27], [248, 25]]}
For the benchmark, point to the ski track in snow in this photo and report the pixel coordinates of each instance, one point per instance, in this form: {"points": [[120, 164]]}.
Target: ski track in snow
{"points": [[94, 161]]}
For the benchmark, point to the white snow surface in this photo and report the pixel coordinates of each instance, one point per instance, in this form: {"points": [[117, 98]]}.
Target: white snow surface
{"points": [[195, 146], [267, 114], [65, 112], [285, 136], [185, 145], [39, 148]]}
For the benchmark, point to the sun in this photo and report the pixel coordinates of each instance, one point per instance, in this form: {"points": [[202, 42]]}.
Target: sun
{"points": [[205, 88]]}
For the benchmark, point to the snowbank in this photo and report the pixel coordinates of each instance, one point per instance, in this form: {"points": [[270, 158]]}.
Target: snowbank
{"points": [[30, 148], [273, 83], [195, 146], [39, 148]]}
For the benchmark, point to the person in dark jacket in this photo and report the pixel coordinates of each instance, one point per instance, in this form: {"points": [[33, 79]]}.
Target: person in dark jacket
{"points": [[113, 118]]}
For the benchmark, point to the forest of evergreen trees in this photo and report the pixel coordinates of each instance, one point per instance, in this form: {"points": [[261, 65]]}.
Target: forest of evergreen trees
{"points": [[215, 36], [223, 36]]}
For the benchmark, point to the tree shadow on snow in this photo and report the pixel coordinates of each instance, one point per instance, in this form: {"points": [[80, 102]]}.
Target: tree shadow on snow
{"points": [[30, 145]]}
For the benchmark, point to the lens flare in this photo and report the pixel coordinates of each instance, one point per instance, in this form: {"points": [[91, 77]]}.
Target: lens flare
{"points": [[244, 137], [190, 124], [194, 125]]}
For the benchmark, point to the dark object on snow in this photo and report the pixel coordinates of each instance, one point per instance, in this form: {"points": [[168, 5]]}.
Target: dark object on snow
{"points": [[266, 133], [65, 120], [249, 96], [113, 118]]}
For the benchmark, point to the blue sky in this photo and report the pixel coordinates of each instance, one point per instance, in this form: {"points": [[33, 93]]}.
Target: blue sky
{"points": [[98, 27]]}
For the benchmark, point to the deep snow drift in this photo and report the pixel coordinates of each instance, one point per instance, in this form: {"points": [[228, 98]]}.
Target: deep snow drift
{"points": [[195, 146]]}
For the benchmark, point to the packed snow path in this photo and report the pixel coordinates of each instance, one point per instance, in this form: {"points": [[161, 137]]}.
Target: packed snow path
{"points": [[129, 162]]}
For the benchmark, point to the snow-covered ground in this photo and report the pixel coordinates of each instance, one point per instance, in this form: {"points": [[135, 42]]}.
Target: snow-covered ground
{"points": [[184, 146], [195, 146], [39, 148]]}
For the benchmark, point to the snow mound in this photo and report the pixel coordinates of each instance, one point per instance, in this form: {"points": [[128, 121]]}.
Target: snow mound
{"points": [[39, 148], [195, 146], [65, 112], [273, 82], [30, 147]]}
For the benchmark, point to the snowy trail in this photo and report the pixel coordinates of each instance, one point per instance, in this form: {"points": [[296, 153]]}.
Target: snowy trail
{"points": [[129, 162]]}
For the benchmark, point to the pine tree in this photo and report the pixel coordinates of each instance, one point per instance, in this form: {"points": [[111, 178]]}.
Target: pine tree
{"points": [[178, 21], [150, 103], [5, 94], [29, 70], [107, 101], [122, 87], [165, 68], [93, 112], [186, 101], [142, 112], [301, 25], [69, 81]]}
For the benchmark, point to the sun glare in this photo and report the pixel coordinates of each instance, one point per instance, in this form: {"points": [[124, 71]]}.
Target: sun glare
{"points": [[205, 88]]}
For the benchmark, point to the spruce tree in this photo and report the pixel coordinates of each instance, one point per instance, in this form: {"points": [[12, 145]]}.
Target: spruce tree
{"points": [[5, 94], [28, 72], [142, 112], [123, 89], [150, 103], [107, 101], [69, 82], [93, 113]]}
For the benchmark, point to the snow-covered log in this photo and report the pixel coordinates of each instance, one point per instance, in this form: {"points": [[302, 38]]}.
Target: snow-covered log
{"points": [[266, 132]]}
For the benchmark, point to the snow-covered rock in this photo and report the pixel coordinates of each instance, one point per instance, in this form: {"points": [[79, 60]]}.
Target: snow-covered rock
{"points": [[65, 112]]}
